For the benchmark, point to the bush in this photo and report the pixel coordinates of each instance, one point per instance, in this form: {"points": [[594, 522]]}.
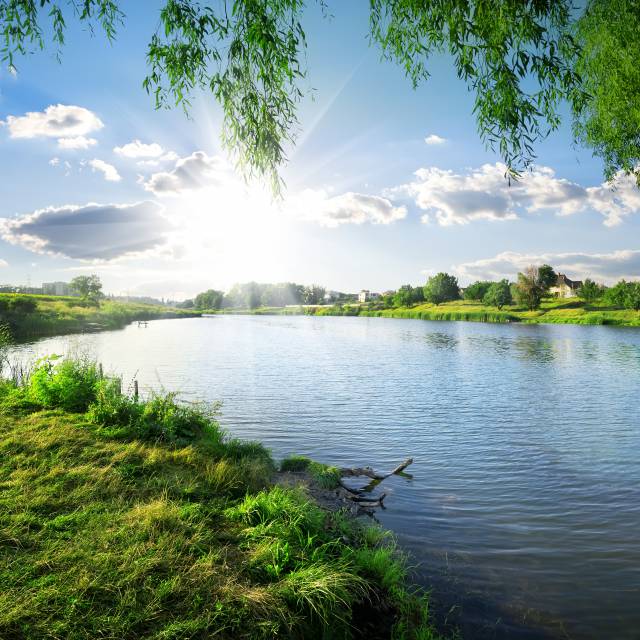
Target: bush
{"points": [[295, 463], [160, 418], [70, 384], [23, 305]]}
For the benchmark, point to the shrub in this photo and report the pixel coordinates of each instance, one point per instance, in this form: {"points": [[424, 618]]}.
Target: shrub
{"points": [[295, 463], [161, 418], [111, 408], [23, 305], [70, 384]]}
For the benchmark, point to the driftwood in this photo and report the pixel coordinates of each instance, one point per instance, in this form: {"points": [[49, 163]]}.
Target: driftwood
{"points": [[370, 473], [362, 497]]}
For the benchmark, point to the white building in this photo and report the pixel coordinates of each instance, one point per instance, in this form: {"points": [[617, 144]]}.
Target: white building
{"points": [[56, 288], [565, 287], [367, 296]]}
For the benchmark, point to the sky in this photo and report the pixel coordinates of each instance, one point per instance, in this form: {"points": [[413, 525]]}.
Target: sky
{"points": [[386, 185]]}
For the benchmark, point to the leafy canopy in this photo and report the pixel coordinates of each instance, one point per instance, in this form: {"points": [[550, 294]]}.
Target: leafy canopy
{"points": [[87, 287], [609, 122], [477, 290], [590, 291], [547, 276], [441, 288], [530, 288], [520, 58], [498, 294]]}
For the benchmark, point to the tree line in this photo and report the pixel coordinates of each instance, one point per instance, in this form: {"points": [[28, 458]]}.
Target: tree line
{"points": [[532, 285], [251, 295]]}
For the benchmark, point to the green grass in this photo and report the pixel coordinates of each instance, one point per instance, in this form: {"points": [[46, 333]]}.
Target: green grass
{"points": [[141, 519], [325, 476], [552, 311], [55, 315]]}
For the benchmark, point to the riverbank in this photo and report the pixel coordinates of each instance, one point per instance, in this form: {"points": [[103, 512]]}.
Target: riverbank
{"points": [[142, 519], [552, 311], [35, 316]]}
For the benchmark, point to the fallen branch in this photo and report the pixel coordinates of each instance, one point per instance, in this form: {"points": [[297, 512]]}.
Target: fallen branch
{"points": [[370, 473], [362, 497], [355, 492], [365, 501]]}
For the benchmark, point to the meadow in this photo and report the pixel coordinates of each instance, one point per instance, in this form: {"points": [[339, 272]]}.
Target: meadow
{"points": [[139, 518], [31, 316]]}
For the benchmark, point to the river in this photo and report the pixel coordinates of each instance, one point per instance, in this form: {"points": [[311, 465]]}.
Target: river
{"points": [[523, 512]]}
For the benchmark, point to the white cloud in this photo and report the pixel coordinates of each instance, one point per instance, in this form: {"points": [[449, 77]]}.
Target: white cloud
{"points": [[138, 149], [56, 121], [54, 162], [617, 200], [197, 171], [433, 139], [3, 263], [485, 194], [110, 172], [78, 142], [605, 267], [347, 208], [89, 232], [170, 156]]}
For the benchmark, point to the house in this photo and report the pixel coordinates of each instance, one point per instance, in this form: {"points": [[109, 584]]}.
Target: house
{"points": [[565, 287], [56, 288], [367, 296]]}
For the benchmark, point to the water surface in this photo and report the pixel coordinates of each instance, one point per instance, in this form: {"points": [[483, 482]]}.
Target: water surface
{"points": [[524, 508]]}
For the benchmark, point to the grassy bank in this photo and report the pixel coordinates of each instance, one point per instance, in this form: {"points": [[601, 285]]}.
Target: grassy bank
{"points": [[552, 311], [139, 519], [30, 316]]}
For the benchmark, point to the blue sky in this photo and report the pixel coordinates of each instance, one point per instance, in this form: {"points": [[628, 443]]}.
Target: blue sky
{"points": [[369, 202]]}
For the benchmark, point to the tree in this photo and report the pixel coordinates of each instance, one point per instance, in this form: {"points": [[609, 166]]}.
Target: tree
{"points": [[89, 288], [314, 294], [210, 299], [529, 290], [282, 294], [625, 295], [477, 290], [616, 295], [441, 288], [547, 277], [407, 295], [589, 291], [520, 59], [609, 121], [498, 294], [632, 300]]}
